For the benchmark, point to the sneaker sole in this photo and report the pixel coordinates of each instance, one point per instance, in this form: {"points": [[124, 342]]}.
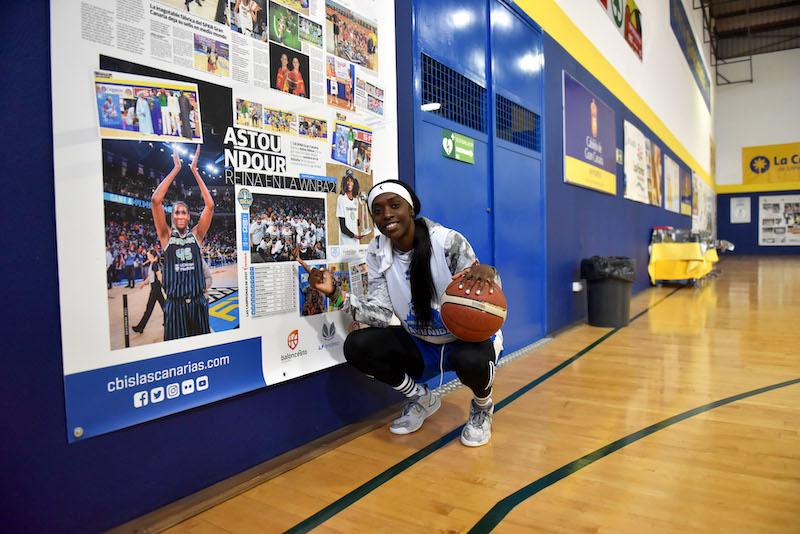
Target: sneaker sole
{"points": [[475, 443], [403, 431]]}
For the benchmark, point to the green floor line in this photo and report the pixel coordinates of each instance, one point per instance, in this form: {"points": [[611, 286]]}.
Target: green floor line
{"points": [[352, 497], [500, 510]]}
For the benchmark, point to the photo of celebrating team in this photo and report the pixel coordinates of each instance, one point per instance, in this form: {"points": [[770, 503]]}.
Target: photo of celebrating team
{"points": [[351, 36], [285, 228]]}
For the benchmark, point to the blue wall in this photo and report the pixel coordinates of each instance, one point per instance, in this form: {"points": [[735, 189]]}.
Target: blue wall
{"points": [[48, 485], [745, 236], [581, 222], [502, 192]]}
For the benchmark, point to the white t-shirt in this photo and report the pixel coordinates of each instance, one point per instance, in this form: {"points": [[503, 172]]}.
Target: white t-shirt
{"points": [[348, 210], [257, 230], [397, 280]]}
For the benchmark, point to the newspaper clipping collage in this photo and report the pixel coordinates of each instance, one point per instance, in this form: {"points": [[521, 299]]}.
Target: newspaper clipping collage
{"points": [[201, 148]]}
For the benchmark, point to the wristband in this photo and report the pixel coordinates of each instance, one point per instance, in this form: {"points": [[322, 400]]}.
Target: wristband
{"points": [[337, 298]]}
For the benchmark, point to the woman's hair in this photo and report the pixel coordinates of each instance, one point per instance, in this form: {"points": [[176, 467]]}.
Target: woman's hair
{"points": [[422, 287], [356, 187]]}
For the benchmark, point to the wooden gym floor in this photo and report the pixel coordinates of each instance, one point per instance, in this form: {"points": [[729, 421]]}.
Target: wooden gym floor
{"points": [[686, 420]]}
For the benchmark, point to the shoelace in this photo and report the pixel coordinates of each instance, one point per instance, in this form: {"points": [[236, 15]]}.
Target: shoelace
{"points": [[478, 416], [411, 404]]}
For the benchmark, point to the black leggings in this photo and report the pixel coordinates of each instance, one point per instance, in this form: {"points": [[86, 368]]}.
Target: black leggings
{"points": [[388, 354]]}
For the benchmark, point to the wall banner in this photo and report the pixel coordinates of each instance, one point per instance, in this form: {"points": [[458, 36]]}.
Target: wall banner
{"points": [[779, 221], [200, 150], [627, 18], [686, 192], [590, 139], [672, 185], [771, 164], [682, 29], [637, 164]]}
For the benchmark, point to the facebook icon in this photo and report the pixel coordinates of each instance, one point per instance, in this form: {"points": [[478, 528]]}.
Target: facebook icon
{"points": [[140, 399]]}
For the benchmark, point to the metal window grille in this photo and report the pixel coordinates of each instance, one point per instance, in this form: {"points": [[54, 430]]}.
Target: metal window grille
{"points": [[518, 125], [462, 100]]}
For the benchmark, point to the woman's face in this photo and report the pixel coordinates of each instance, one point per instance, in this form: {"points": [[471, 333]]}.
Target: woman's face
{"points": [[349, 185], [284, 60], [180, 217], [392, 215], [296, 63]]}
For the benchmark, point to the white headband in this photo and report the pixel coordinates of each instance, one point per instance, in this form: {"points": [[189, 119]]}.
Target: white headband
{"points": [[389, 187]]}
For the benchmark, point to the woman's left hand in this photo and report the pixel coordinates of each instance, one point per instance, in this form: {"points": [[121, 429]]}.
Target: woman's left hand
{"points": [[477, 277]]}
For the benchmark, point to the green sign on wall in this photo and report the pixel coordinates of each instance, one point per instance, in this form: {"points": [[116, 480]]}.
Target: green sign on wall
{"points": [[458, 147]]}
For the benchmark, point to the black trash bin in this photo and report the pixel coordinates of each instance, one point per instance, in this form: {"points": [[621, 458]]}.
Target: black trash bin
{"points": [[609, 280]]}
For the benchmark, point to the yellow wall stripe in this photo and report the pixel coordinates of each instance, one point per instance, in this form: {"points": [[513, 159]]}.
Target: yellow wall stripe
{"points": [[558, 25], [757, 188]]}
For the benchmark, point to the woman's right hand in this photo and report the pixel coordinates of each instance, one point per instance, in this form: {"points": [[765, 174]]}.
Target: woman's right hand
{"points": [[176, 159], [319, 279]]}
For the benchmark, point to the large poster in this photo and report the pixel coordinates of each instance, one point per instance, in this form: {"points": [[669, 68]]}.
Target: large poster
{"points": [[637, 164], [655, 183], [686, 192], [199, 155], [682, 28], [627, 18], [771, 164], [672, 185], [590, 139], [779, 221]]}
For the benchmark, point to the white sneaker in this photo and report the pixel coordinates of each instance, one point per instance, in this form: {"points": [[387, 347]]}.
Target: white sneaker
{"points": [[415, 411], [478, 429]]}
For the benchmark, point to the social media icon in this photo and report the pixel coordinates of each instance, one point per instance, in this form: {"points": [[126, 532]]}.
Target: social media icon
{"points": [[202, 383], [157, 394], [140, 399], [187, 387], [173, 390]]}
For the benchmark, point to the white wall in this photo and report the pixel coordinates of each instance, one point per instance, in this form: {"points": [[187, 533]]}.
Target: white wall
{"points": [[662, 78], [765, 112]]}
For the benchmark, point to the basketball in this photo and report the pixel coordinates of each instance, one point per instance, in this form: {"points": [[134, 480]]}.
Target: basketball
{"points": [[473, 317]]}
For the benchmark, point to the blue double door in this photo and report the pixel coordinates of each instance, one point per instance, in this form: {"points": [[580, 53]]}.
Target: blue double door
{"points": [[482, 61]]}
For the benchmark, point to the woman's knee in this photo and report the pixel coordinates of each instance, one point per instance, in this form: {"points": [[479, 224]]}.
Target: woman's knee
{"points": [[472, 360], [363, 345]]}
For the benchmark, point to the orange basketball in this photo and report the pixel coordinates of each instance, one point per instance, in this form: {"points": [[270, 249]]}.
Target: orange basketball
{"points": [[473, 317]]}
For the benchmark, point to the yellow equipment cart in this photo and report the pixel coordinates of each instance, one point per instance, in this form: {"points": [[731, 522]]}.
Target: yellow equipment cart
{"points": [[681, 261]]}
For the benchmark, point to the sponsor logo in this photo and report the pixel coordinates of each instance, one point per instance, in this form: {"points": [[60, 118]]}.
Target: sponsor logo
{"points": [[759, 164], [328, 331], [201, 384], [616, 11], [293, 339], [245, 199], [140, 399], [157, 394], [173, 390], [329, 336]]}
